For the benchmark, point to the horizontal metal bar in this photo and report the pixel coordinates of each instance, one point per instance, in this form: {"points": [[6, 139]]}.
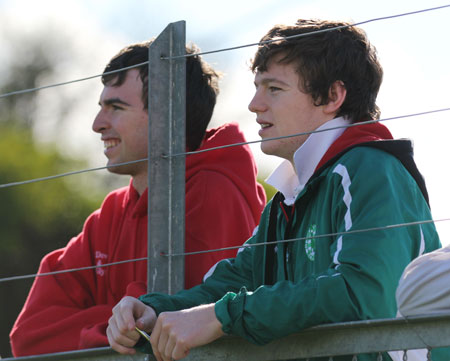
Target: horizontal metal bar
{"points": [[350, 338], [347, 338]]}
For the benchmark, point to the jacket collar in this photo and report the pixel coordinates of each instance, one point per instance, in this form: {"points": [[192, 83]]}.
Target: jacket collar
{"points": [[289, 181]]}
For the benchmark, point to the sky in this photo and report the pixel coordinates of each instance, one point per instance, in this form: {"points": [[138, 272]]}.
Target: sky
{"points": [[413, 50]]}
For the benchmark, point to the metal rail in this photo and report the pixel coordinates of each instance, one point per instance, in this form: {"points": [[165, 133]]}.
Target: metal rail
{"points": [[349, 338]]}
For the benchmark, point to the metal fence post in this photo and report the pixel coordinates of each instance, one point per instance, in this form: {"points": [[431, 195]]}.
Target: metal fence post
{"points": [[166, 175]]}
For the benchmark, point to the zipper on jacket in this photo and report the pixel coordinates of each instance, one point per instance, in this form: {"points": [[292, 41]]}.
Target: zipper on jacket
{"points": [[289, 212], [296, 214], [270, 254], [286, 247]]}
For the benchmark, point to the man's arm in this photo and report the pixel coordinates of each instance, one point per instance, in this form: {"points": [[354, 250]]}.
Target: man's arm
{"points": [[226, 275], [357, 276], [69, 311], [56, 311]]}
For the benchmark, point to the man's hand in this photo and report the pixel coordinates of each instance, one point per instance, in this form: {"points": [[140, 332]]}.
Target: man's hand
{"points": [[175, 333], [127, 314]]}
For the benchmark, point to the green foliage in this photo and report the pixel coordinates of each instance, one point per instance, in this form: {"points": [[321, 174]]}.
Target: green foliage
{"points": [[34, 218], [270, 191]]}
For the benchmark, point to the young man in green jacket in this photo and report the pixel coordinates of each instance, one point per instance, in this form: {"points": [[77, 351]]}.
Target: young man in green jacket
{"points": [[331, 184]]}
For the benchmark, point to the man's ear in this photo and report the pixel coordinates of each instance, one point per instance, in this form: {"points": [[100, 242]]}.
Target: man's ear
{"points": [[336, 96]]}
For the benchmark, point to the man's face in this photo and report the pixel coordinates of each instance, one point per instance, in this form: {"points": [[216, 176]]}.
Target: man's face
{"points": [[123, 123], [283, 109]]}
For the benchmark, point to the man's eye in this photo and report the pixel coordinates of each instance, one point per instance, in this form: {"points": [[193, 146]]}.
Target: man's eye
{"points": [[116, 107], [274, 88]]}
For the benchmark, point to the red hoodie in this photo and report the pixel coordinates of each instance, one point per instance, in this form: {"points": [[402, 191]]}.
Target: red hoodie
{"points": [[70, 311]]}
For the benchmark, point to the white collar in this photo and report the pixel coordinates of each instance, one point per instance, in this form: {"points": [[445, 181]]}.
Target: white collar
{"points": [[306, 158]]}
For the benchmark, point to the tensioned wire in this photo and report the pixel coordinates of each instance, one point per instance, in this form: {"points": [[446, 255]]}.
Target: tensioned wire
{"points": [[365, 230], [307, 34], [13, 184], [71, 81], [18, 183], [310, 132], [69, 270], [227, 49], [336, 234]]}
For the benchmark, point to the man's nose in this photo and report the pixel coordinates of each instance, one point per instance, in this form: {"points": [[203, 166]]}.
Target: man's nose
{"points": [[100, 122], [257, 104]]}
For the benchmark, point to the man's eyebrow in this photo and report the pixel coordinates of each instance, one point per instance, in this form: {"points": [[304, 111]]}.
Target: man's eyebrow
{"points": [[266, 81], [111, 101]]}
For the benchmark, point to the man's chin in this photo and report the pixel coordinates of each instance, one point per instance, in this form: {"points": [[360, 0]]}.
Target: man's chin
{"points": [[117, 169]]}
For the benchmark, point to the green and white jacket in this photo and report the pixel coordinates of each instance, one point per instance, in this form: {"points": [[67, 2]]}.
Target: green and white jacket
{"points": [[330, 269]]}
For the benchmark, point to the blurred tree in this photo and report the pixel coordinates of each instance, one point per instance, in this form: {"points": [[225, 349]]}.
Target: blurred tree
{"points": [[270, 191]]}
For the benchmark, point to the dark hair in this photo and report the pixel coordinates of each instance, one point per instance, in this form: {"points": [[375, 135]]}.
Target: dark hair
{"points": [[321, 59], [201, 86]]}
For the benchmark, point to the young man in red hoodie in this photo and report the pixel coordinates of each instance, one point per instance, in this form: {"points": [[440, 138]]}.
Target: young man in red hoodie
{"points": [[321, 77], [223, 204]]}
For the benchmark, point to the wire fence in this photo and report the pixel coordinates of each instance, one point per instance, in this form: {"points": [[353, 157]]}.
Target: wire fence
{"points": [[426, 345]]}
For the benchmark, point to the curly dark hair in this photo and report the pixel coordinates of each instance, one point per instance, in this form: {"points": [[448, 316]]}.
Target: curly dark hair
{"points": [[320, 59]]}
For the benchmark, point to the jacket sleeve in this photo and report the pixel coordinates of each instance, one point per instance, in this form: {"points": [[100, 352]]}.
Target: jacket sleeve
{"points": [[228, 275], [360, 279], [217, 216]]}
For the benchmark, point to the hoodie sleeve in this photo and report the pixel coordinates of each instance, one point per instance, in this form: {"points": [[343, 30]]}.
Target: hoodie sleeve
{"points": [[59, 307], [70, 310]]}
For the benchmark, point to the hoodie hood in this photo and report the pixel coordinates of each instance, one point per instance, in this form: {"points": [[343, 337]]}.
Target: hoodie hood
{"points": [[353, 136], [377, 136], [236, 163]]}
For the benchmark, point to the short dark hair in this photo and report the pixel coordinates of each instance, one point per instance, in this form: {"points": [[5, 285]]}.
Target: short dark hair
{"points": [[201, 86], [323, 58]]}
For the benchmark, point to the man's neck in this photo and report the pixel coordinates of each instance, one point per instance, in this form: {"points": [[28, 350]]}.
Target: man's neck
{"points": [[140, 183]]}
